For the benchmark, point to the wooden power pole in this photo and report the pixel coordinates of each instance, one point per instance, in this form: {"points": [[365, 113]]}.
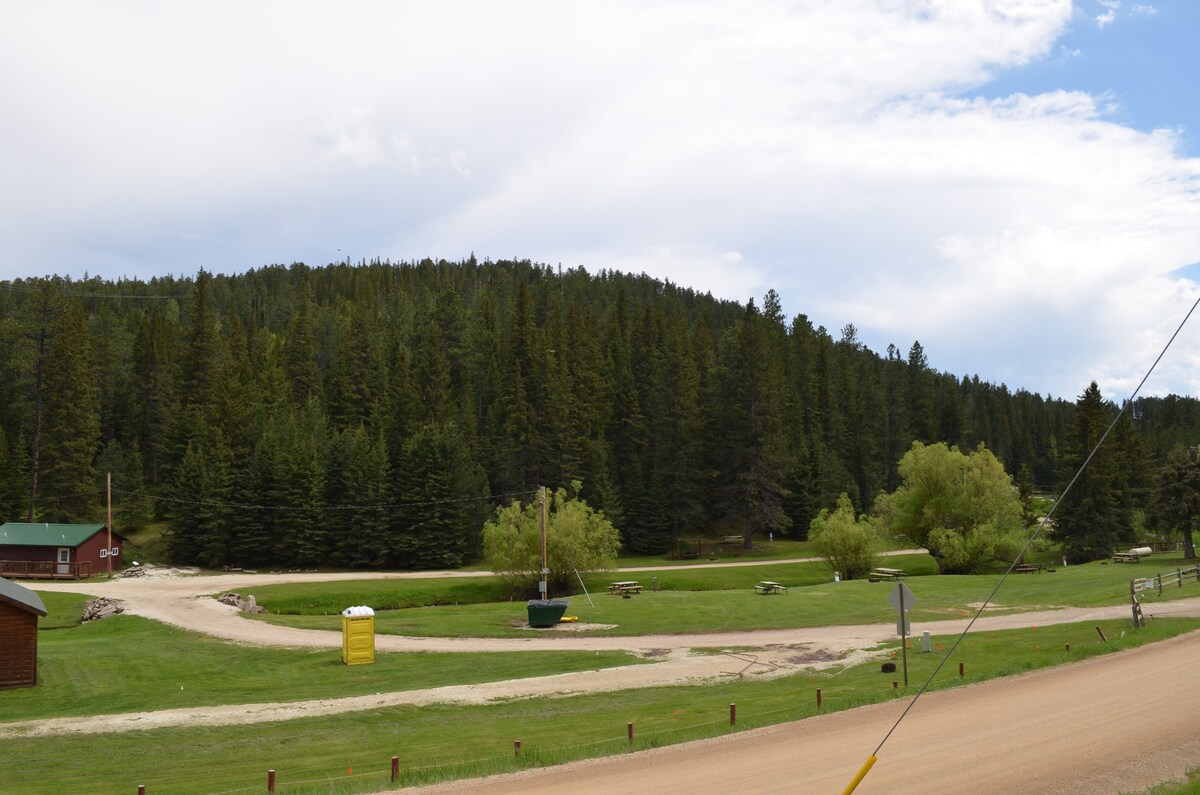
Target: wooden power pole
{"points": [[108, 526]]}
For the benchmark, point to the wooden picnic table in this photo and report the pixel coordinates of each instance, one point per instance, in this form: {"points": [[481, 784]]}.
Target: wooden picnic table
{"points": [[888, 574], [1028, 568], [625, 586], [769, 587], [1126, 557]]}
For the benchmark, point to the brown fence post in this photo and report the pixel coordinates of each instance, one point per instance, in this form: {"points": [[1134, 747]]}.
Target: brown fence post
{"points": [[630, 729], [818, 698], [271, 780], [516, 747], [733, 714], [141, 789], [395, 768], [960, 670], [1103, 637]]}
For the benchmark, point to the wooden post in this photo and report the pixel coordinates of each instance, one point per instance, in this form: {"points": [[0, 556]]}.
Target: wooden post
{"points": [[818, 698], [545, 565], [1103, 637], [733, 714], [108, 525], [960, 670], [516, 747], [1068, 647], [895, 685], [630, 728], [141, 789], [271, 780], [395, 768]]}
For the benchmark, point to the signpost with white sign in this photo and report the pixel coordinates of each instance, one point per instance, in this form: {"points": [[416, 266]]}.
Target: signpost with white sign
{"points": [[902, 599]]}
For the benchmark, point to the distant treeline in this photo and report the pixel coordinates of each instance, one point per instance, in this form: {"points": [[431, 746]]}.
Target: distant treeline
{"points": [[375, 414]]}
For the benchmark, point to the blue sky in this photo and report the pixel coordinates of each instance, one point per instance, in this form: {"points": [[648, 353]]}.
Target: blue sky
{"points": [[1013, 183], [1141, 57]]}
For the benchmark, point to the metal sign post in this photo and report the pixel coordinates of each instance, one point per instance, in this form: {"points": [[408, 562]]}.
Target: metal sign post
{"points": [[902, 600]]}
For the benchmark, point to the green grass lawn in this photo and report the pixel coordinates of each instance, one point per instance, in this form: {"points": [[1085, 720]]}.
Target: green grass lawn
{"points": [[442, 742], [133, 664], [722, 599]]}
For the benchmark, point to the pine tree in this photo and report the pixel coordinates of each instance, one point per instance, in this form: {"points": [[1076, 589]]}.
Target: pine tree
{"points": [[72, 434], [1176, 505], [434, 488], [1087, 520], [751, 487]]}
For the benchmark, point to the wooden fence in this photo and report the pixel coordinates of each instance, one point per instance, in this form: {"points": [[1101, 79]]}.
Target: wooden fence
{"points": [[45, 569], [1140, 585]]}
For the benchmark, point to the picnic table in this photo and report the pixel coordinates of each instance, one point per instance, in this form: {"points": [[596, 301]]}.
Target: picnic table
{"points": [[770, 587], [1028, 568], [1126, 557], [625, 587], [888, 574]]}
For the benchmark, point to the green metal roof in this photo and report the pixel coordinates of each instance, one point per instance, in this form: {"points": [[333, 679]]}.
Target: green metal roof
{"points": [[36, 534], [21, 596]]}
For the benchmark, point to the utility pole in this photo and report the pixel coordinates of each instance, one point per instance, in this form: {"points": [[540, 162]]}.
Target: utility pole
{"points": [[108, 525], [544, 585]]}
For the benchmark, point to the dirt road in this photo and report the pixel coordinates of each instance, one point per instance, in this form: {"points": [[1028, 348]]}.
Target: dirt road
{"points": [[1115, 723]]}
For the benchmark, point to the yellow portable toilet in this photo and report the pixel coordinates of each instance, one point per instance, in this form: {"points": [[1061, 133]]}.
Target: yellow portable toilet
{"points": [[358, 635]]}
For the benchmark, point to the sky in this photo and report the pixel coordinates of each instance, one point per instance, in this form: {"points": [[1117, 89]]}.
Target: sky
{"points": [[1015, 184]]}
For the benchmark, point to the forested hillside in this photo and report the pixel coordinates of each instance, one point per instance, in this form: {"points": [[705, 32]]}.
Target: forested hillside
{"points": [[375, 414]]}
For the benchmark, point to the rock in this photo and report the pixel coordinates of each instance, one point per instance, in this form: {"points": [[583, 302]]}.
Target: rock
{"points": [[245, 605], [101, 608]]}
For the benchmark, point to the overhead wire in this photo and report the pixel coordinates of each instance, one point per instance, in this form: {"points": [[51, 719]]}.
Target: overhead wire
{"points": [[983, 606], [321, 508]]}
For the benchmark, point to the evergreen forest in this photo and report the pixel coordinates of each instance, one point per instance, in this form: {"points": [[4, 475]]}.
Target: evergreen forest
{"points": [[375, 414]]}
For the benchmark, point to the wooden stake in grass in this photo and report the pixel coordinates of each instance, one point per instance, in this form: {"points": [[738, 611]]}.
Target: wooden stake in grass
{"points": [[733, 714], [395, 768], [630, 728], [271, 780], [516, 747], [960, 670], [1103, 637], [818, 698]]}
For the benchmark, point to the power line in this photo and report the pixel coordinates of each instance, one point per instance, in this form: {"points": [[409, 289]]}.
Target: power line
{"points": [[1037, 531], [321, 508]]}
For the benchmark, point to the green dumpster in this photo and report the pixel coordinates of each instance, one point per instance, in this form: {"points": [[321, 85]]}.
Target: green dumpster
{"points": [[546, 612]]}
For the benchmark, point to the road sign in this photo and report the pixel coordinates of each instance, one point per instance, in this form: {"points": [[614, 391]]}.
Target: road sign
{"points": [[901, 599], [1142, 584]]}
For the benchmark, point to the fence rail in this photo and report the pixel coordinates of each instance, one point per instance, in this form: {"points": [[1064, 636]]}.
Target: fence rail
{"points": [[1140, 585], [46, 569]]}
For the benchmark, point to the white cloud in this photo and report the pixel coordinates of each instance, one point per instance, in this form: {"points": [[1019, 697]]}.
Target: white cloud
{"points": [[822, 149], [1106, 18]]}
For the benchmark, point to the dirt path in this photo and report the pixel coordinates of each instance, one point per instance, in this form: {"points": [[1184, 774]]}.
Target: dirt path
{"points": [[184, 602], [1114, 723]]}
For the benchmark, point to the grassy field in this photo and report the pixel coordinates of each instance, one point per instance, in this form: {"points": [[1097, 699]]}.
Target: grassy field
{"points": [[728, 603], [439, 742], [127, 664], [132, 664]]}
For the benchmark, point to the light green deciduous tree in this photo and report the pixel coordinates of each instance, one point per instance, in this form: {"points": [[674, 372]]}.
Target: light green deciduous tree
{"points": [[848, 545], [577, 538], [963, 507]]}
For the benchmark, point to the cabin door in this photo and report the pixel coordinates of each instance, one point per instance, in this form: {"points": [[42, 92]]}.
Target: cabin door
{"points": [[64, 560]]}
